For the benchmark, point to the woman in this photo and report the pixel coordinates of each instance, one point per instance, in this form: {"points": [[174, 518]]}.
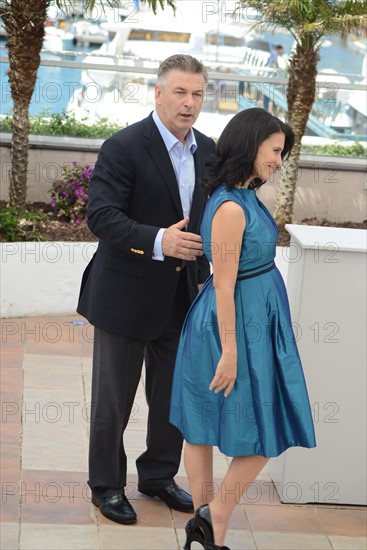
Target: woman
{"points": [[238, 381]]}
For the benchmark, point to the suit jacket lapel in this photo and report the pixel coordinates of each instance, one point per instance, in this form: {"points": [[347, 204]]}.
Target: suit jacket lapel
{"points": [[157, 150], [198, 196]]}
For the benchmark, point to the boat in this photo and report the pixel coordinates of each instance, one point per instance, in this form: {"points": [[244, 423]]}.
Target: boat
{"points": [[57, 39], [142, 43]]}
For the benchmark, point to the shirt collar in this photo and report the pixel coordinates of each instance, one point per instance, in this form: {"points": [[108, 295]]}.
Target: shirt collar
{"points": [[170, 140]]}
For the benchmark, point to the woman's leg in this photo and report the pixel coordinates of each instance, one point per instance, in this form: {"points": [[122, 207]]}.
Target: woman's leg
{"points": [[198, 461], [241, 472]]}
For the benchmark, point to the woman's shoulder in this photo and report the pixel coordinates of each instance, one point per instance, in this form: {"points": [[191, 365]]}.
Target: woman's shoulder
{"points": [[223, 193]]}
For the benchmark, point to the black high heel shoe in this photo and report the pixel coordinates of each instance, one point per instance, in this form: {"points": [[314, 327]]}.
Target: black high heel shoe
{"points": [[211, 546], [203, 523], [193, 534]]}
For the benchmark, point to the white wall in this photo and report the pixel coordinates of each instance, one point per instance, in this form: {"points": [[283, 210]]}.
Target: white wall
{"points": [[43, 278], [327, 294], [328, 187]]}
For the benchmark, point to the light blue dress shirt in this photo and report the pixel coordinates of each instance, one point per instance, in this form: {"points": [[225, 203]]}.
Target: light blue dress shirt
{"points": [[182, 158]]}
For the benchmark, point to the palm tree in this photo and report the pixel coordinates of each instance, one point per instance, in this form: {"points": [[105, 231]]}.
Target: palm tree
{"points": [[309, 21], [24, 23]]}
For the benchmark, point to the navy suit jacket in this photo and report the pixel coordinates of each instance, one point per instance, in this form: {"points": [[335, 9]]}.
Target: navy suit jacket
{"points": [[133, 193]]}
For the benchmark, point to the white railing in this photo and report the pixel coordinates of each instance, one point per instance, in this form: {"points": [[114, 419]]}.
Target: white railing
{"points": [[230, 88]]}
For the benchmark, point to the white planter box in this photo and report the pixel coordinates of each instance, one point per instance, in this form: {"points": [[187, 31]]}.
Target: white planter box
{"points": [[42, 278], [327, 291]]}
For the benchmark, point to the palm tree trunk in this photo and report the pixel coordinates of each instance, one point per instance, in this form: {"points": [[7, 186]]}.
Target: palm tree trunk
{"points": [[300, 97], [19, 156], [287, 188], [24, 23]]}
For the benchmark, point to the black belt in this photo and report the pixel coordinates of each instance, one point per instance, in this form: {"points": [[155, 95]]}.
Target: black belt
{"points": [[247, 275]]}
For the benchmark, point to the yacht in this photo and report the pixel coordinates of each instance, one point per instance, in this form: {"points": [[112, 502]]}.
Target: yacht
{"points": [[138, 43]]}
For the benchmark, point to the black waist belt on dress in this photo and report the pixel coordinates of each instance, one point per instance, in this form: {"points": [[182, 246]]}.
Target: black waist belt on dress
{"points": [[247, 275]]}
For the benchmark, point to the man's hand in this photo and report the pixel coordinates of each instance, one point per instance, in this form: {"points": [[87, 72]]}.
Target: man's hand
{"points": [[181, 244]]}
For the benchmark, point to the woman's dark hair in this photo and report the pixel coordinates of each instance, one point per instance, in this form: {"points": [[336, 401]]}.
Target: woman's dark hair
{"points": [[233, 159]]}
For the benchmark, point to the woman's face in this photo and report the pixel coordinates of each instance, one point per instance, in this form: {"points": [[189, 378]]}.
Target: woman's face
{"points": [[268, 159]]}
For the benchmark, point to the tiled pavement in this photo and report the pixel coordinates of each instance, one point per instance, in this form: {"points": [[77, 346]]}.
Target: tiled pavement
{"points": [[45, 387]]}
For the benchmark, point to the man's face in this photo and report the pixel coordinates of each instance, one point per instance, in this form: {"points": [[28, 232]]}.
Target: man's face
{"points": [[179, 100]]}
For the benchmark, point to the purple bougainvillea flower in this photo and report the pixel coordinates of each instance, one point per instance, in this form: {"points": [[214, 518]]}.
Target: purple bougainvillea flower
{"points": [[69, 194]]}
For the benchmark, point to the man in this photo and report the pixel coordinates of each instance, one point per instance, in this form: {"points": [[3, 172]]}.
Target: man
{"points": [[145, 205], [273, 62]]}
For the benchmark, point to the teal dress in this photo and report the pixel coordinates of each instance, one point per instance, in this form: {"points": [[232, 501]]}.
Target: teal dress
{"points": [[268, 409]]}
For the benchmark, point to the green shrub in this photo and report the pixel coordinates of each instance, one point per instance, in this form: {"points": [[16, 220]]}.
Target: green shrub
{"points": [[357, 149], [22, 225], [64, 125]]}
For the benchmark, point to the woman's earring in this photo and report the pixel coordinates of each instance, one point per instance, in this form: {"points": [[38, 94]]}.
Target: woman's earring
{"points": [[255, 183]]}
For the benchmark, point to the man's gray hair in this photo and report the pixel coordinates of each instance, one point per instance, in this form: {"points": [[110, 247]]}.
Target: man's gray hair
{"points": [[181, 62]]}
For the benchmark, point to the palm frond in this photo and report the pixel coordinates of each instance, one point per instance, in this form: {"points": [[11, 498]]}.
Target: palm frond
{"points": [[154, 3], [88, 5], [311, 20], [351, 7]]}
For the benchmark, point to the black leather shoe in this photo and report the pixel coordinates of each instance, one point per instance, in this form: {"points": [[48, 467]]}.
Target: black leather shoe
{"points": [[116, 508], [172, 495]]}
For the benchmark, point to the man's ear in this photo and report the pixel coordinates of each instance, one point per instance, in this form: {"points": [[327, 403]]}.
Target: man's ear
{"points": [[157, 92]]}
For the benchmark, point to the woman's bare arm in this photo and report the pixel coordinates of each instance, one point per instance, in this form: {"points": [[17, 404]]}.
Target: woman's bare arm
{"points": [[227, 232]]}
